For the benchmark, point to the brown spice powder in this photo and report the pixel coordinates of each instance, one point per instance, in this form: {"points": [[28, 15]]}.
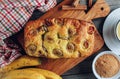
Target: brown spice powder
{"points": [[107, 65]]}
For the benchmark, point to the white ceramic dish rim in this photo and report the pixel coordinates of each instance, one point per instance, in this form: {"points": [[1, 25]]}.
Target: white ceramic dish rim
{"points": [[109, 31], [93, 65]]}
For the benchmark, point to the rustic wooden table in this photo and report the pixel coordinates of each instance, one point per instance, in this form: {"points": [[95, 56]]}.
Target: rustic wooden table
{"points": [[84, 70]]}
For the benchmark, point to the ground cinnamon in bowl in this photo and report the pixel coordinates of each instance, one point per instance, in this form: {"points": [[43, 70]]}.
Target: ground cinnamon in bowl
{"points": [[107, 65]]}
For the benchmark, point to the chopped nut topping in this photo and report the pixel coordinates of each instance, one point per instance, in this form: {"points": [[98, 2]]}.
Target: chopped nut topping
{"points": [[32, 48], [70, 47], [58, 52], [71, 32], [91, 30], [86, 44]]}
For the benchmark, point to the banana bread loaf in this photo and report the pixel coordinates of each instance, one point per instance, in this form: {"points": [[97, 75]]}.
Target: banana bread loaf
{"points": [[59, 38]]}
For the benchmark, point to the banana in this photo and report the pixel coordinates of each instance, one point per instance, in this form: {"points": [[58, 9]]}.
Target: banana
{"points": [[23, 61], [46, 73], [22, 74], [11, 71]]}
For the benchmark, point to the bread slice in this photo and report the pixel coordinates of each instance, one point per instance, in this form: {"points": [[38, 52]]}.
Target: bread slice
{"points": [[59, 38]]}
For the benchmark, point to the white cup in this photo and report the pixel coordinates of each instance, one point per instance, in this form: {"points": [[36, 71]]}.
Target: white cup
{"points": [[117, 30]]}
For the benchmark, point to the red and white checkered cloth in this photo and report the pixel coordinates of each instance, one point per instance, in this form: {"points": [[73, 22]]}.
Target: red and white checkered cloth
{"points": [[13, 16]]}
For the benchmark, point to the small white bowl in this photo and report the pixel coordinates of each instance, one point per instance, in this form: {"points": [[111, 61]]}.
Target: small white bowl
{"points": [[94, 61]]}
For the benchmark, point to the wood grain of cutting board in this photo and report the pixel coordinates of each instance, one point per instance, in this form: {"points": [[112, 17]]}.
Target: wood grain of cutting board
{"points": [[59, 66]]}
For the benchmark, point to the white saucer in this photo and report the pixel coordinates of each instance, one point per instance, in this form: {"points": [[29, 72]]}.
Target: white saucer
{"points": [[108, 31]]}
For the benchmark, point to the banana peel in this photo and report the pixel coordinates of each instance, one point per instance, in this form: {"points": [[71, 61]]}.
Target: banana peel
{"points": [[22, 74], [23, 61]]}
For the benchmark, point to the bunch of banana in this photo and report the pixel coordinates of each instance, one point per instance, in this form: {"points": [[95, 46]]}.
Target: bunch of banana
{"points": [[30, 73], [22, 74], [12, 70]]}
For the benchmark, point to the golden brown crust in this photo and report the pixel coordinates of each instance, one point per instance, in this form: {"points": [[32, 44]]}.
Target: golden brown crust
{"points": [[59, 38]]}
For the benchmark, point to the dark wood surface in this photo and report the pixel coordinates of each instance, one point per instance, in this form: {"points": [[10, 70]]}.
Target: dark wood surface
{"points": [[84, 70]]}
